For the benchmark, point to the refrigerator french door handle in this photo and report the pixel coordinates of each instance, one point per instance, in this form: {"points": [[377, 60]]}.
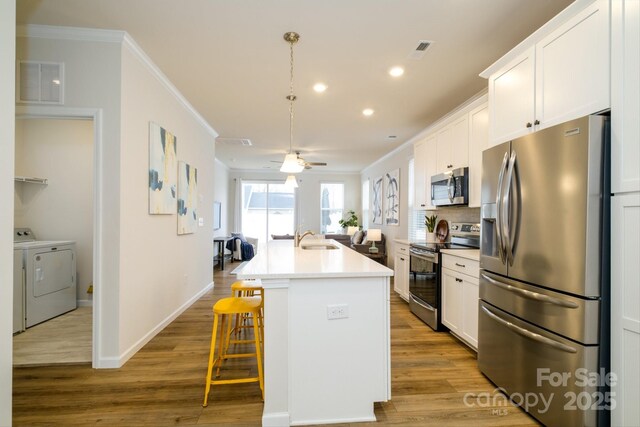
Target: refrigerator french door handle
{"points": [[501, 246], [528, 334], [507, 233], [530, 295]]}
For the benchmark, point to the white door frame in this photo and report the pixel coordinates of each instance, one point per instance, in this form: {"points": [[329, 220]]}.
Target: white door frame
{"points": [[95, 114]]}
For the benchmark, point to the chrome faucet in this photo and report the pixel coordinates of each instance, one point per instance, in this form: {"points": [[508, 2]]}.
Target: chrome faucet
{"points": [[297, 237]]}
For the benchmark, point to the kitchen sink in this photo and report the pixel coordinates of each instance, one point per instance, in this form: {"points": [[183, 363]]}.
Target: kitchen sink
{"points": [[318, 246]]}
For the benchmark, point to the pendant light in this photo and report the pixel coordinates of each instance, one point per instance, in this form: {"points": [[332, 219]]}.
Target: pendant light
{"points": [[291, 163], [291, 182]]}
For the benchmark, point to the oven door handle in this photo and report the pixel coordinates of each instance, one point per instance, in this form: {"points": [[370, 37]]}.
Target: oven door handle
{"points": [[421, 304], [530, 294], [428, 257], [528, 334]]}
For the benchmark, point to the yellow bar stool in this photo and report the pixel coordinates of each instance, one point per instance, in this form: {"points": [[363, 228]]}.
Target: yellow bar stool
{"points": [[245, 288], [225, 308]]}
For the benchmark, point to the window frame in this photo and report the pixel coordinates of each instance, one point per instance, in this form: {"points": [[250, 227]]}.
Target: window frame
{"points": [[268, 183], [321, 208]]}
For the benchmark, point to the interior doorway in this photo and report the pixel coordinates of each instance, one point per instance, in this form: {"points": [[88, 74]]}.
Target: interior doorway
{"points": [[60, 147]]}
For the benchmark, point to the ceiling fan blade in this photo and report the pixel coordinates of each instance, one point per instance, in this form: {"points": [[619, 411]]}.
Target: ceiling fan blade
{"points": [[317, 163], [275, 161]]}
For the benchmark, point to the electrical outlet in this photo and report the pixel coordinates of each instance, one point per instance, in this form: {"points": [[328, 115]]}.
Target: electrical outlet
{"points": [[201, 222], [337, 311]]}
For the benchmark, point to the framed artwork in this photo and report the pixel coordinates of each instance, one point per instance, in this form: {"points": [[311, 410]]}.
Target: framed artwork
{"points": [[376, 210], [187, 198], [392, 197], [162, 170], [217, 215]]}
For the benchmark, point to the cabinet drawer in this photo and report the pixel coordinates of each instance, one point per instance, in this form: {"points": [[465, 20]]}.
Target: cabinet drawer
{"points": [[461, 265], [402, 249]]}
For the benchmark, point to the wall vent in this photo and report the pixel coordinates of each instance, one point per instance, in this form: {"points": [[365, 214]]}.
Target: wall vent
{"points": [[40, 82], [235, 141], [419, 51]]}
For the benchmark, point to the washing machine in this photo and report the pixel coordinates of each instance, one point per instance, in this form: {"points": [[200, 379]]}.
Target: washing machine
{"points": [[49, 277]]}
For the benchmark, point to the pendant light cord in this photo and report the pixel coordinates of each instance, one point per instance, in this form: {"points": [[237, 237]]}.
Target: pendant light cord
{"points": [[291, 98]]}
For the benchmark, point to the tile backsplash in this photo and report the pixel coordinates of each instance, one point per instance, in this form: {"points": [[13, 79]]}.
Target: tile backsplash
{"points": [[471, 215]]}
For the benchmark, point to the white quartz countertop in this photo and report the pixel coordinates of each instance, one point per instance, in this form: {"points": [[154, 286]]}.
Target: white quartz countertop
{"points": [[473, 254], [279, 259]]}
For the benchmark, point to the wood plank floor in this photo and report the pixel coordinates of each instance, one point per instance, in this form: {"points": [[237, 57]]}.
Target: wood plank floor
{"points": [[65, 339], [163, 384]]}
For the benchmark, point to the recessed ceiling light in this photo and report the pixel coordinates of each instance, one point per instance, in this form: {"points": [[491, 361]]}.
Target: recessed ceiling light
{"points": [[367, 111], [320, 87], [396, 71]]}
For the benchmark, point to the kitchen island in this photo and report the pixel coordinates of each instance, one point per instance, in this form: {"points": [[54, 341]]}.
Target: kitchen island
{"points": [[327, 343]]}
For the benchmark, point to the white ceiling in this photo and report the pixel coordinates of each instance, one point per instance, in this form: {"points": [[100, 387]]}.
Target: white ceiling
{"points": [[228, 58]]}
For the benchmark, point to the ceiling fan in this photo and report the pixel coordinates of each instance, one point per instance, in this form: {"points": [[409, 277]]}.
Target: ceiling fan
{"points": [[307, 165]]}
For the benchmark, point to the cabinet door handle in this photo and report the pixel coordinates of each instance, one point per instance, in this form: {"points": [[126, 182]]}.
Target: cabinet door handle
{"points": [[529, 124], [460, 265], [458, 280], [537, 122], [422, 205], [402, 259], [449, 166]]}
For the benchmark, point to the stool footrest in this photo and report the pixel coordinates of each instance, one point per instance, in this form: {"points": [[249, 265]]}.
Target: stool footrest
{"points": [[237, 381], [238, 355]]}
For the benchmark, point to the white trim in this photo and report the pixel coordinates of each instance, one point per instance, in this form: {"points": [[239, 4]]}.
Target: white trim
{"points": [[70, 33], [470, 103], [137, 51], [276, 419], [95, 114], [371, 418], [85, 303], [127, 354], [113, 36], [554, 23], [301, 174], [272, 283]]}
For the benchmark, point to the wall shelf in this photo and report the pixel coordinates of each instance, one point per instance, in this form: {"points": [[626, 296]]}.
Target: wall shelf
{"points": [[32, 180]]}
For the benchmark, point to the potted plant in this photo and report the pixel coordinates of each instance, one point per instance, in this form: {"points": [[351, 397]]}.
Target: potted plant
{"points": [[350, 221], [430, 222]]}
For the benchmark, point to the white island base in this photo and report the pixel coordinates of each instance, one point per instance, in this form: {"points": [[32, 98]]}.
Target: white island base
{"points": [[320, 370]]}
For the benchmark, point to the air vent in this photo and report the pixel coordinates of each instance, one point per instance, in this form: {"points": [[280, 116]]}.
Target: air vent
{"points": [[40, 82], [419, 51], [235, 141]]}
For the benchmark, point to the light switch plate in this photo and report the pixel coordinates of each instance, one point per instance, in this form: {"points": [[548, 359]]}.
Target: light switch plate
{"points": [[201, 222]]}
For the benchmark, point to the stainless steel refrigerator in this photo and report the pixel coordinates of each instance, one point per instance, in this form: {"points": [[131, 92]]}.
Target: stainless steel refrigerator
{"points": [[544, 271]]}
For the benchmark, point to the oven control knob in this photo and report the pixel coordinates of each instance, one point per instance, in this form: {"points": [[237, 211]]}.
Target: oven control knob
{"points": [[19, 233], [26, 233]]}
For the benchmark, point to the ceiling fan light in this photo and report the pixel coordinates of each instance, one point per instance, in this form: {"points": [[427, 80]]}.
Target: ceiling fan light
{"points": [[291, 164], [291, 182]]}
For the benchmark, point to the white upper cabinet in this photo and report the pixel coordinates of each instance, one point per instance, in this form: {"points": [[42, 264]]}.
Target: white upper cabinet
{"points": [[424, 154], [452, 147], [625, 96], [564, 75], [512, 99], [572, 67], [478, 140]]}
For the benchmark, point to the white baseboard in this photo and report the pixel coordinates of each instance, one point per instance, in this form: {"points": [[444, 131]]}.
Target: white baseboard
{"points": [[277, 419], [108, 362], [85, 303], [371, 418]]}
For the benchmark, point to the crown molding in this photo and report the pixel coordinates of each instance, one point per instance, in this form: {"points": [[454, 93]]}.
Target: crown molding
{"points": [[300, 174], [70, 33], [113, 36], [137, 51], [467, 105]]}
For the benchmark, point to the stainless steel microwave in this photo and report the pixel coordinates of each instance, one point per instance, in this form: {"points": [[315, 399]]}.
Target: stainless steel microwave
{"points": [[450, 188]]}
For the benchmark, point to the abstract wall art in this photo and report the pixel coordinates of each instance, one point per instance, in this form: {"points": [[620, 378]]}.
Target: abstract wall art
{"points": [[162, 170], [187, 198], [376, 210], [392, 197]]}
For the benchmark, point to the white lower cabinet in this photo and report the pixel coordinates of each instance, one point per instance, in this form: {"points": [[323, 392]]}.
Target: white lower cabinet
{"points": [[401, 271], [460, 293], [625, 303]]}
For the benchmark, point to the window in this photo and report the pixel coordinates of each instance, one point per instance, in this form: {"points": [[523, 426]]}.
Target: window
{"points": [[267, 208], [365, 204], [331, 207], [415, 217]]}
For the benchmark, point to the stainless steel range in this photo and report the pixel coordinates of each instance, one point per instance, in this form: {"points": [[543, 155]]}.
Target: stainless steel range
{"points": [[424, 271]]}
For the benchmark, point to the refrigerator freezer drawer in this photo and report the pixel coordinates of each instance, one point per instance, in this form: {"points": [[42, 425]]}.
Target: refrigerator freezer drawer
{"points": [[572, 317], [525, 360]]}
